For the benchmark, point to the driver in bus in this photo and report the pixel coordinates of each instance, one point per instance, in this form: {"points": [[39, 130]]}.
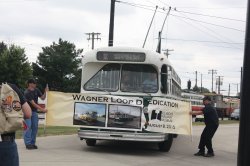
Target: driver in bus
{"points": [[125, 82], [150, 84]]}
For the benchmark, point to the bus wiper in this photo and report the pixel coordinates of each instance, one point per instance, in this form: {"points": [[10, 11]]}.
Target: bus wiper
{"points": [[103, 90], [147, 93]]}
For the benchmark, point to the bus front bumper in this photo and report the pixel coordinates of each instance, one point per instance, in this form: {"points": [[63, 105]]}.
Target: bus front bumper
{"points": [[122, 136]]}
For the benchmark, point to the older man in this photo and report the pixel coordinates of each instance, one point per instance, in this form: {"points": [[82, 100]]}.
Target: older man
{"points": [[212, 122]]}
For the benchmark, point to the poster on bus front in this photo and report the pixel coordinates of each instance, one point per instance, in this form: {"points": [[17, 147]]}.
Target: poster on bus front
{"points": [[119, 113], [169, 116], [124, 116], [94, 111]]}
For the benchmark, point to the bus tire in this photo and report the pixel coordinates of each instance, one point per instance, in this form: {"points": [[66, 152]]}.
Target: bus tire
{"points": [[90, 142], [166, 145]]}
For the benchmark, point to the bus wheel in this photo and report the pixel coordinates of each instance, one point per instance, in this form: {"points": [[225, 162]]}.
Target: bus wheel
{"points": [[166, 145], [91, 142]]}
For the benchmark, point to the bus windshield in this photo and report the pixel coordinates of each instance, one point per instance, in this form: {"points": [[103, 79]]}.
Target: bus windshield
{"points": [[130, 77], [139, 78], [106, 79]]}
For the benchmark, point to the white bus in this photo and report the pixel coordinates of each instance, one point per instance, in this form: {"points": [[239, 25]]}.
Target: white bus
{"points": [[128, 72]]}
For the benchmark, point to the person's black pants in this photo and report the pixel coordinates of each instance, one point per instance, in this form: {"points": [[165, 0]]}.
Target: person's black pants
{"points": [[206, 138]]}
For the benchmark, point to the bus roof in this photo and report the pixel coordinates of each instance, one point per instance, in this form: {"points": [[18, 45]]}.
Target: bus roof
{"points": [[154, 58]]}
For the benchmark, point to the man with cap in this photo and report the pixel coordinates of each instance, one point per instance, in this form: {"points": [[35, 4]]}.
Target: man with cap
{"points": [[32, 94], [212, 122]]}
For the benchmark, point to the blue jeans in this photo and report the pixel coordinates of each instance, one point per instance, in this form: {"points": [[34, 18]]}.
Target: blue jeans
{"points": [[8, 154], [29, 135]]}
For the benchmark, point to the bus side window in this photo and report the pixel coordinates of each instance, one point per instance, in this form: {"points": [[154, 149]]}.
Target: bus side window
{"points": [[169, 71], [164, 78]]}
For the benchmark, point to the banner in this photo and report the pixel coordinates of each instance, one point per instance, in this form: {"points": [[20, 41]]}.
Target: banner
{"points": [[94, 111], [169, 116], [117, 112]]}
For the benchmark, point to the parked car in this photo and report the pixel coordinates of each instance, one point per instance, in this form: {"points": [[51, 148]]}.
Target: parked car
{"points": [[199, 118], [235, 115]]}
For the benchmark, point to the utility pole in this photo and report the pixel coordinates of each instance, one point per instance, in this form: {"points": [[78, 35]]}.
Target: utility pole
{"points": [[241, 73], [229, 90], [196, 78], [111, 23], [237, 87], [92, 38], [167, 52], [244, 132], [219, 83], [212, 72], [189, 85], [201, 82]]}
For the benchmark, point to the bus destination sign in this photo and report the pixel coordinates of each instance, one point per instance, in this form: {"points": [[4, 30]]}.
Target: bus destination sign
{"points": [[121, 56]]}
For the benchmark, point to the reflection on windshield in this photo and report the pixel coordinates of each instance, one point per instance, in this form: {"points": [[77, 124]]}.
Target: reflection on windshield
{"points": [[107, 79], [139, 78], [134, 78]]}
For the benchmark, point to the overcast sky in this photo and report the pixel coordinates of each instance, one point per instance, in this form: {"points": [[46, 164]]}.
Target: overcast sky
{"points": [[200, 43]]}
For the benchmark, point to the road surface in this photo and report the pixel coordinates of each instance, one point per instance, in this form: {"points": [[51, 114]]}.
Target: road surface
{"points": [[70, 151]]}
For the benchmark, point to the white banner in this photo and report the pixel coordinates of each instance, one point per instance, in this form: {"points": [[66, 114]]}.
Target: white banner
{"points": [[169, 116], [116, 112]]}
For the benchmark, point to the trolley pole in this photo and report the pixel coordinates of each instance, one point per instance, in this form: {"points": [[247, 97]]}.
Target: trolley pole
{"points": [[160, 33], [244, 132], [149, 27]]}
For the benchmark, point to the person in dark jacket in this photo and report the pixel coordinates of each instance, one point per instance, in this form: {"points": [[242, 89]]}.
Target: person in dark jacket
{"points": [[8, 147], [212, 122]]}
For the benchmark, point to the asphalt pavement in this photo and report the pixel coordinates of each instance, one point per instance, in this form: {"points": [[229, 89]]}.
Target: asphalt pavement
{"points": [[70, 151]]}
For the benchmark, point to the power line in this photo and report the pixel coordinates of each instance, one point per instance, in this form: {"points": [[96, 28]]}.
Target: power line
{"points": [[209, 23], [213, 32], [214, 36], [203, 41], [210, 16], [152, 2], [147, 7], [209, 42], [213, 8], [164, 3]]}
